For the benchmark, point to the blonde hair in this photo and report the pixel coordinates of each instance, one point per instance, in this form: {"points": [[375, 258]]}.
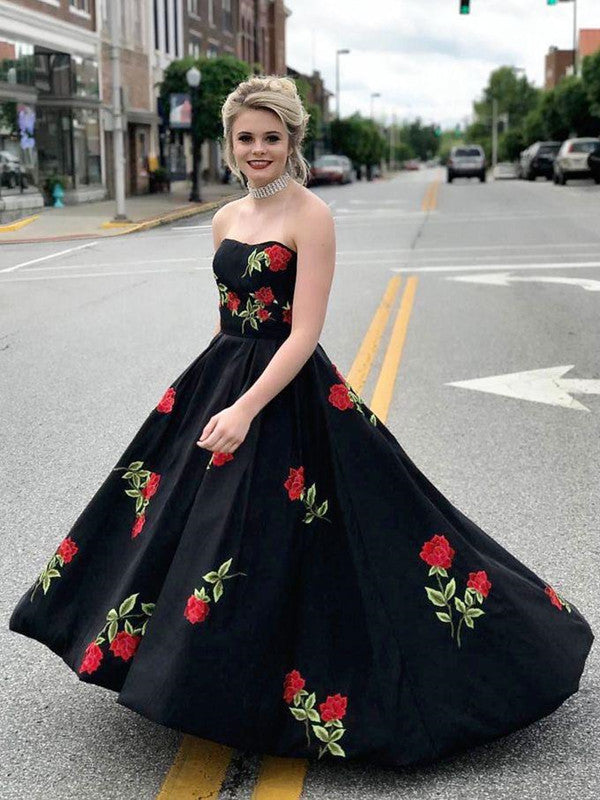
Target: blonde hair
{"points": [[271, 93]]}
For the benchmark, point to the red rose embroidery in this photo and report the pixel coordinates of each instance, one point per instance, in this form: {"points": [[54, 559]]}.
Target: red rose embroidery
{"points": [[165, 404], [233, 301], [125, 644], [326, 727], [138, 525], [196, 610], [295, 483], [556, 599], [437, 552], [92, 658], [292, 684], [265, 295], [287, 313], [197, 607], [67, 549], [263, 314], [479, 581], [278, 257], [218, 459], [339, 397], [333, 708], [150, 488]]}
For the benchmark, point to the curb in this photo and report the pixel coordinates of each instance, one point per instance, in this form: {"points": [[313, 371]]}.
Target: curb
{"points": [[181, 212]]}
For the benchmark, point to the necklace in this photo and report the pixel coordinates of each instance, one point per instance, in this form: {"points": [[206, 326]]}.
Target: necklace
{"points": [[270, 188]]}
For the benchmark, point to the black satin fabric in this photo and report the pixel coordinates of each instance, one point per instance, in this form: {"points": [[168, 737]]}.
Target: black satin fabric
{"points": [[337, 603]]}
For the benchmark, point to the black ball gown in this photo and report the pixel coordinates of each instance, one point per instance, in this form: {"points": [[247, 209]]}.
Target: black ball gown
{"points": [[311, 594]]}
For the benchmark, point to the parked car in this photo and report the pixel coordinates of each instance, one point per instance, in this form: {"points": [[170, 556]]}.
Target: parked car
{"points": [[412, 164], [12, 172], [466, 161], [538, 159], [594, 164], [572, 159], [331, 169]]}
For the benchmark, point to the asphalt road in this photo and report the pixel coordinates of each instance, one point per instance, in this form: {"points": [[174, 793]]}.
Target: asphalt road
{"points": [[508, 280]]}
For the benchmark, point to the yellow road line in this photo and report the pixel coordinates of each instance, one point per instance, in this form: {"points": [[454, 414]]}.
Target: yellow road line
{"points": [[430, 197], [363, 362], [384, 389], [20, 223], [280, 778], [198, 770]]}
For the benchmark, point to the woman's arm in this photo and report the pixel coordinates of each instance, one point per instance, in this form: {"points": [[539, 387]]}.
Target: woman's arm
{"points": [[314, 274]]}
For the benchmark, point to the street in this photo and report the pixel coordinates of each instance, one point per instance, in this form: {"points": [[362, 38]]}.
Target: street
{"points": [[492, 385]]}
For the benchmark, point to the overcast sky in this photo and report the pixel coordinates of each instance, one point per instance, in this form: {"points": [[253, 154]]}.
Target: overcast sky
{"points": [[422, 56]]}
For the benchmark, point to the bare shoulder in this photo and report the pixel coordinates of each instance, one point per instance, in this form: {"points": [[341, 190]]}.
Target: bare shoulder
{"points": [[221, 218], [313, 221]]}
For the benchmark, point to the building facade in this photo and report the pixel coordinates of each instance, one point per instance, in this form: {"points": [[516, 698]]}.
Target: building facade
{"points": [[49, 101], [559, 63]]}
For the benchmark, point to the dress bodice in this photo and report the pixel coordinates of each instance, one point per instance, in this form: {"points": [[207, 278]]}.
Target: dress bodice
{"points": [[256, 287]]}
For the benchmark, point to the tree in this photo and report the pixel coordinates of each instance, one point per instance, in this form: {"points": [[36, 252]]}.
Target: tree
{"points": [[514, 95], [590, 74], [220, 76]]}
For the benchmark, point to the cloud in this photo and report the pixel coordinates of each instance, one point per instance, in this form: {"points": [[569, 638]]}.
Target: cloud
{"points": [[422, 56]]}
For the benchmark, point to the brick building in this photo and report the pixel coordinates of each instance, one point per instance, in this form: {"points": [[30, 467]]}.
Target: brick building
{"points": [[558, 64]]}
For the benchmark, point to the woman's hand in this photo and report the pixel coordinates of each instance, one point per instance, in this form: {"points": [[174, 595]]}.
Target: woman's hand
{"points": [[225, 431]]}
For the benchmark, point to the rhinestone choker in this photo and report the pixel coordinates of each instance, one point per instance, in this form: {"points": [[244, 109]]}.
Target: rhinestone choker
{"points": [[270, 188]]}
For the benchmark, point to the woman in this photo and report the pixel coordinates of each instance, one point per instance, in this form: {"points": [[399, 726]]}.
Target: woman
{"points": [[265, 566]]}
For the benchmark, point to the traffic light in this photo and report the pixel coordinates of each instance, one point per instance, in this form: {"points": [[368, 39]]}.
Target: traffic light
{"points": [[552, 2], [465, 6]]}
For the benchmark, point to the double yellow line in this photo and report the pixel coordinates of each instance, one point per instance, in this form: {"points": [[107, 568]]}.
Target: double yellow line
{"points": [[430, 198], [200, 765]]}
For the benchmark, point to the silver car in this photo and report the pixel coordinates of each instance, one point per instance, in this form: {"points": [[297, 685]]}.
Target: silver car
{"points": [[572, 159], [466, 161]]}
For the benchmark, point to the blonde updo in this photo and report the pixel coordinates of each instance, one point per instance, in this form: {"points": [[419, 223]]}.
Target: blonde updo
{"points": [[276, 94]]}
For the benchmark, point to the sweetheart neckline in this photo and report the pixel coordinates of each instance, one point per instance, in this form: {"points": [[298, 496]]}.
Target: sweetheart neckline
{"points": [[256, 244]]}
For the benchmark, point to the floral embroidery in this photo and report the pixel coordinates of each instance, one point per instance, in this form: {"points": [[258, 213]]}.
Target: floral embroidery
{"points": [[197, 607], [218, 459], [343, 397], [556, 599], [122, 643], [287, 313], [143, 485], [275, 258], [165, 404], [63, 555], [438, 553], [297, 491], [329, 728], [227, 298], [255, 310]]}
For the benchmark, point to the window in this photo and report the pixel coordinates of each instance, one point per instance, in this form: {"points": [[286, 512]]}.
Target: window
{"points": [[227, 20], [194, 7], [81, 6]]}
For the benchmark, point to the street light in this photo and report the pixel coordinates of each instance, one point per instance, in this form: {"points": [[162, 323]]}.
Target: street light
{"points": [[373, 94], [193, 77], [337, 80]]}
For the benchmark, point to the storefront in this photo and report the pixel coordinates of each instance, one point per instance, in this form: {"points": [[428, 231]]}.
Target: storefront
{"points": [[49, 124]]}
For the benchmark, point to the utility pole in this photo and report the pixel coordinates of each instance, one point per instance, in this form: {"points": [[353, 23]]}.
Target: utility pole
{"points": [[494, 132], [114, 11]]}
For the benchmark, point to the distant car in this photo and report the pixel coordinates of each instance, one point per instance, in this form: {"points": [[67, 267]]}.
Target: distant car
{"points": [[466, 161], [331, 169], [412, 164], [572, 159], [538, 159], [505, 169], [594, 164]]}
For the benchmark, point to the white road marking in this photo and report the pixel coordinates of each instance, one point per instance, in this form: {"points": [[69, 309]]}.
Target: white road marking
{"points": [[537, 385], [469, 267], [116, 264], [102, 274], [506, 279], [45, 258]]}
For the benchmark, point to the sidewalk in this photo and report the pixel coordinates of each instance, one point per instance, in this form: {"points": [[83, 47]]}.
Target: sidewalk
{"points": [[94, 220]]}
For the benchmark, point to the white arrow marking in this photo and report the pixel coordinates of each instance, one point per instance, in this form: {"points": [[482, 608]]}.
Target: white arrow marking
{"points": [[505, 279], [537, 385]]}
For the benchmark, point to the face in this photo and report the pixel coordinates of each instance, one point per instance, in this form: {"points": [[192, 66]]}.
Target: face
{"points": [[259, 136]]}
